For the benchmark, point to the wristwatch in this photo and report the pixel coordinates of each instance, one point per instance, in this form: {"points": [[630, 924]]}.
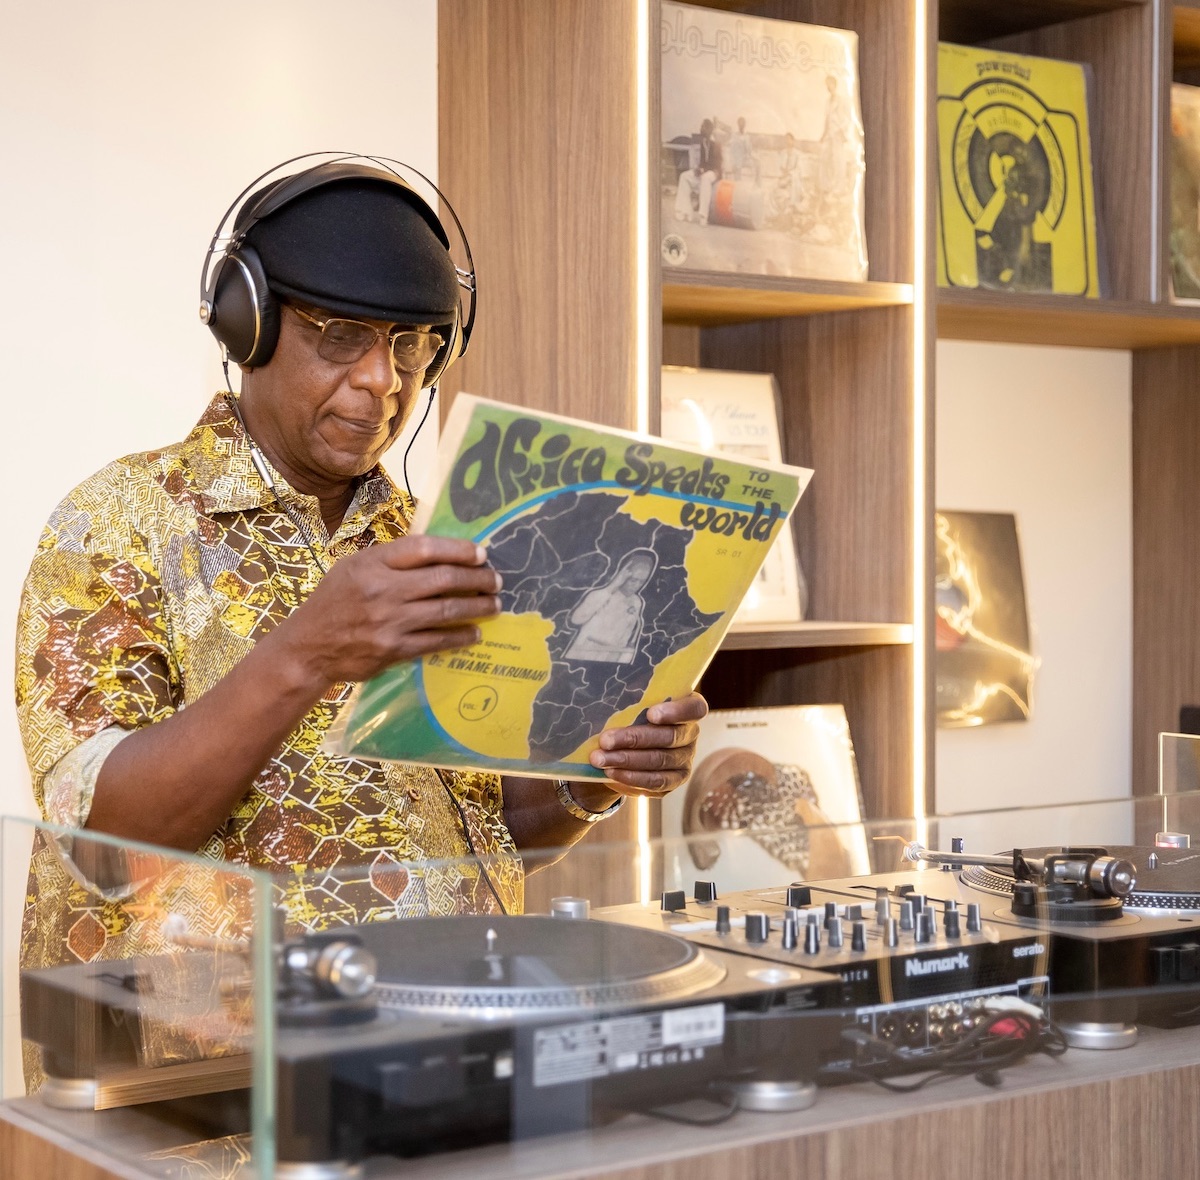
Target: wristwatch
{"points": [[563, 790]]}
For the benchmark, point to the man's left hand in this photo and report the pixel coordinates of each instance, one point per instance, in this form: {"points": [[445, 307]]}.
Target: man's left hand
{"points": [[654, 758]]}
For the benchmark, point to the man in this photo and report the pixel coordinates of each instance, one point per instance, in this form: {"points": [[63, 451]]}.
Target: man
{"points": [[744, 163], [196, 615], [697, 182]]}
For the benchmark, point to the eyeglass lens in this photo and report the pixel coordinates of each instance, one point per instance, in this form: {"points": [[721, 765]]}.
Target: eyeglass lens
{"points": [[345, 341]]}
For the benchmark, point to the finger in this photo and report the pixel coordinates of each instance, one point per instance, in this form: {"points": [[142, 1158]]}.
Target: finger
{"points": [[434, 614], [422, 549], [437, 581], [647, 784], [658, 759], [649, 737], [692, 707]]}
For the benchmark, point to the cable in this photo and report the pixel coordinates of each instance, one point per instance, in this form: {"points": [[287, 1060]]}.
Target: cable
{"points": [[1000, 1041], [428, 406], [466, 827], [725, 1111]]}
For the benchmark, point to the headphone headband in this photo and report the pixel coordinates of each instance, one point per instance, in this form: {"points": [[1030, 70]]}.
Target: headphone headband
{"points": [[235, 303]]}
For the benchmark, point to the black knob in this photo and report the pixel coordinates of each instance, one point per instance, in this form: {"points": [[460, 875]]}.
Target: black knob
{"points": [[951, 924], [883, 909], [723, 926], [835, 932], [974, 918], [790, 934], [673, 899], [891, 933], [854, 913], [951, 905], [758, 926], [906, 915], [705, 891], [918, 902], [858, 936], [812, 935], [799, 895], [830, 912], [925, 931]]}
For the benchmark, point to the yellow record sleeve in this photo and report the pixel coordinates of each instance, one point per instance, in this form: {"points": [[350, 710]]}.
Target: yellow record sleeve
{"points": [[1016, 200]]}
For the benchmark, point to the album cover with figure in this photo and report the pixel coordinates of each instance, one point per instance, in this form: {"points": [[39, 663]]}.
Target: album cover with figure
{"points": [[1016, 201], [624, 559], [762, 160], [774, 796]]}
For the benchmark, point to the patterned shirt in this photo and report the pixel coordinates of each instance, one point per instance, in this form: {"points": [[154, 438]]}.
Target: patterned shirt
{"points": [[152, 580]]}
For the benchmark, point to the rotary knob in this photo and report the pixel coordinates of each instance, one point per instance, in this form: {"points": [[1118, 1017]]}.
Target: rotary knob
{"points": [[791, 934], [799, 895], [673, 899], [705, 892], [758, 926], [723, 924]]}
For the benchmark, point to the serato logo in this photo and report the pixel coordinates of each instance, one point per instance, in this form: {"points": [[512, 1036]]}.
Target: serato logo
{"points": [[958, 962], [1034, 948]]}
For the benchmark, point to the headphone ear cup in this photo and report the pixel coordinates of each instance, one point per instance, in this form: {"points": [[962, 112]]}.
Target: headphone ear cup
{"points": [[446, 355], [245, 315]]}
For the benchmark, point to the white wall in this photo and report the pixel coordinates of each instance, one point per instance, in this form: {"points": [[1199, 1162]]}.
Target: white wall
{"points": [[127, 128], [1045, 433]]}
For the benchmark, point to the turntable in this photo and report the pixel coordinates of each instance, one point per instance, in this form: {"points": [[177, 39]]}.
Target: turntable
{"points": [[429, 1033]]}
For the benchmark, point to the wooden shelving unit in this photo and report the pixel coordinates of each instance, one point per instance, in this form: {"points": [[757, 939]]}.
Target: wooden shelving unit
{"points": [[540, 110]]}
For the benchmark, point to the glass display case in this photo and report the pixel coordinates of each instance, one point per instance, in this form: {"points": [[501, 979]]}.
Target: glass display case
{"points": [[191, 1018]]}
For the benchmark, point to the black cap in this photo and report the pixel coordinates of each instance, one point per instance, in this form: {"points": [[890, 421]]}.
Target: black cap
{"points": [[362, 248]]}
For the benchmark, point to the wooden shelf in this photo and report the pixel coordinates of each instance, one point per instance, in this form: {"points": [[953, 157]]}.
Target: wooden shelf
{"points": [[707, 298], [1186, 36], [816, 634], [973, 21], [1063, 320]]}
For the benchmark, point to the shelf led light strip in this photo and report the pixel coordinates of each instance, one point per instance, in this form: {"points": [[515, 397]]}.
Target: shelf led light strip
{"points": [[642, 326], [919, 375]]}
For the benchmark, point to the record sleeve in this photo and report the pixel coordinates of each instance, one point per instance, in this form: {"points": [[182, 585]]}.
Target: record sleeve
{"points": [[1016, 200], [985, 669], [1185, 191], [762, 166], [788, 779], [737, 414], [624, 558]]}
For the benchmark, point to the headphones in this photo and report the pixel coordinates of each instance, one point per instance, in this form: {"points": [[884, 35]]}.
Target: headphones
{"points": [[241, 310]]}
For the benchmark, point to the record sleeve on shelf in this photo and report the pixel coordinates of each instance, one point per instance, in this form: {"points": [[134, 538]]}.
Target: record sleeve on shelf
{"points": [[783, 775], [762, 165], [985, 669], [1016, 199], [1185, 192], [735, 413], [623, 559]]}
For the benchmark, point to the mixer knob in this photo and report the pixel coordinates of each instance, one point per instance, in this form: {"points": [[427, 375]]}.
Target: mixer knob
{"points": [[906, 915], [926, 931], [854, 913], [835, 932], [951, 905], [918, 902], [883, 909], [790, 933], [758, 926], [891, 933], [705, 891], [812, 935], [830, 912], [974, 918], [858, 936], [673, 899], [952, 927], [799, 895], [723, 925]]}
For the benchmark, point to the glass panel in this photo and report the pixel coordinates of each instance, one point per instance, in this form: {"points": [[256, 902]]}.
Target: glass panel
{"points": [[716, 973], [1179, 782], [143, 1007]]}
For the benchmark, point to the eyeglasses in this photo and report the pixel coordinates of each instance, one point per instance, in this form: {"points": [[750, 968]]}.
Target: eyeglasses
{"points": [[345, 341]]}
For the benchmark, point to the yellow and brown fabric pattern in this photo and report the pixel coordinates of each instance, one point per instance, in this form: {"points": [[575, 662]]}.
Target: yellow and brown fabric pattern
{"points": [[151, 581]]}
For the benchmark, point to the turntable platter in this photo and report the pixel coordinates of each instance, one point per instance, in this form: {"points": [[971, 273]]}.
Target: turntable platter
{"points": [[484, 967]]}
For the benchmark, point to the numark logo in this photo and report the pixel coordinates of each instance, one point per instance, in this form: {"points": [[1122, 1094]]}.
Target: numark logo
{"points": [[958, 962]]}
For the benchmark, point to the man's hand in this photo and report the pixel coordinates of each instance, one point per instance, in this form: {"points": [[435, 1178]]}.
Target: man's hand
{"points": [[655, 758], [390, 603]]}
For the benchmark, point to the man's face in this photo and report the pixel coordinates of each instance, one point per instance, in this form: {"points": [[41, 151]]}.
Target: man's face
{"points": [[324, 422]]}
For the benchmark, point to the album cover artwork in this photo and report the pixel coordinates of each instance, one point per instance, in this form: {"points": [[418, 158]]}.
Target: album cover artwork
{"points": [[1016, 202], [985, 669], [762, 166], [737, 414], [784, 778], [1185, 191], [624, 558]]}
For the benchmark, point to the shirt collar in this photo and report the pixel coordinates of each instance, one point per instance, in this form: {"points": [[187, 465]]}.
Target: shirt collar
{"points": [[218, 457]]}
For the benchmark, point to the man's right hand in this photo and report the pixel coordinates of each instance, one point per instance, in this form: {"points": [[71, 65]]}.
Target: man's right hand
{"points": [[389, 603]]}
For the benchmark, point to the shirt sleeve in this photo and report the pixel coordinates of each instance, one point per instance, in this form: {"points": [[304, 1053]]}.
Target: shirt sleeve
{"points": [[93, 650]]}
